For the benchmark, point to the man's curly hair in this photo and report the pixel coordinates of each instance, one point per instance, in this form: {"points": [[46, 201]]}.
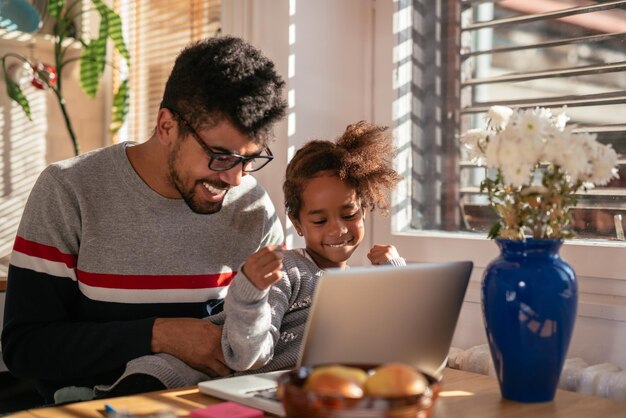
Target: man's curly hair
{"points": [[361, 157], [225, 77]]}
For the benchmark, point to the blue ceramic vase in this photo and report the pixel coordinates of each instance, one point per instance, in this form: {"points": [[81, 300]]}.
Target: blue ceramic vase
{"points": [[529, 297]]}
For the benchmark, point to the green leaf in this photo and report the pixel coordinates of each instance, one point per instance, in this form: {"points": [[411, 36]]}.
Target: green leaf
{"points": [[494, 231], [15, 93], [114, 27], [120, 106], [55, 7], [93, 60]]}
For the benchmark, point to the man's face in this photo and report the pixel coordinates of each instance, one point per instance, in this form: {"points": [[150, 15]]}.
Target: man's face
{"points": [[204, 189]]}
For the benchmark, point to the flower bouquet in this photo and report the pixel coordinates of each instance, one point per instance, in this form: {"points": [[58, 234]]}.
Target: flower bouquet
{"points": [[540, 165], [529, 294]]}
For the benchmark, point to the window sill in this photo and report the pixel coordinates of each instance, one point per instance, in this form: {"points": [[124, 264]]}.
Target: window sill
{"points": [[599, 265], [590, 258]]}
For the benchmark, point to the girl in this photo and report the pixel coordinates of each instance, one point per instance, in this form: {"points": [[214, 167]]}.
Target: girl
{"points": [[328, 189]]}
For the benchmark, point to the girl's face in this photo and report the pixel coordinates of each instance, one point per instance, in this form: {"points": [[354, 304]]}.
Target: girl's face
{"points": [[331, 220]]}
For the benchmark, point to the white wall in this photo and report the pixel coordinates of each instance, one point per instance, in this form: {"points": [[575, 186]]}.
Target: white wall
{"points": [[319, 49], [343, 73]]}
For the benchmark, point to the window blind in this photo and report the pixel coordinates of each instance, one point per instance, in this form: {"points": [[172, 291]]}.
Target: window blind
{"points": [[155, 32], [547, 53]]}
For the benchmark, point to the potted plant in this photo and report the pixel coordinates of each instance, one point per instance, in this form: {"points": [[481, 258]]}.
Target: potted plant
{"points": [[529, 293], [92, 59]]}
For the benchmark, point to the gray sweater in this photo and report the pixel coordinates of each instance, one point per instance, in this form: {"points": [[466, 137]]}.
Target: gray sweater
{"points": [[99, 255], [262, 331]]}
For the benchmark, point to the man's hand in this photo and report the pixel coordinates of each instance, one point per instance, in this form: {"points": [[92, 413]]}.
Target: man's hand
{"points": [[381, 254], [263, 268], [197, 342]]}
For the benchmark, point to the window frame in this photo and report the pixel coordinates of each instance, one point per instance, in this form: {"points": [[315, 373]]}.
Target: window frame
{"points": [[598, 264], [596, 214]]}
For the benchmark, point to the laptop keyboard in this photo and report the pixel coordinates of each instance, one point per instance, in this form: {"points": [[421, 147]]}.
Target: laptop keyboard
{"points": [[269, 394]]}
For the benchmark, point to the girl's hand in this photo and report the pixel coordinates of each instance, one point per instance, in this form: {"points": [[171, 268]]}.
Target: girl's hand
{"points": [[381, 254], [263, 268]]}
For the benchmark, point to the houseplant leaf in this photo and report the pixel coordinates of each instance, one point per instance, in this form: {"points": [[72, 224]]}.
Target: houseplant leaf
{"points": [[55, 7], [92, 61], [120, 106], [114, 27], [15, 92]]}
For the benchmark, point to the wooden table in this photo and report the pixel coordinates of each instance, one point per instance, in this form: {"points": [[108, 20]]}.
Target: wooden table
{"points": [[463, 395]]}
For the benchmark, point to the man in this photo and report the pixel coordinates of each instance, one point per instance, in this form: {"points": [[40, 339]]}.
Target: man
{"points": [[120, 251]]}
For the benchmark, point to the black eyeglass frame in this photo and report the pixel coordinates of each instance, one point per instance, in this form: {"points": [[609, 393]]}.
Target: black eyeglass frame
{"points": [[263, 160]]}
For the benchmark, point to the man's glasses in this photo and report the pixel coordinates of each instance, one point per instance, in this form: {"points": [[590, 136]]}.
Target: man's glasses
{"points": [[222, 161]]}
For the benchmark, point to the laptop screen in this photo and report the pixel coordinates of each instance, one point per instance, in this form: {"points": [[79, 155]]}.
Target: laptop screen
{"points": [[373, 315]]}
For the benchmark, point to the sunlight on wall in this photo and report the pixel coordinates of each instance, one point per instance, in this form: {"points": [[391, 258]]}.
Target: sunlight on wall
{"points": [[402, 20], [290, 235], [401, 113], [22, 158]]}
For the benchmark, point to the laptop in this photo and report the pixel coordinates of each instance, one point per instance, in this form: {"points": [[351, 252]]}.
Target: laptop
{"points": [[368, 315]]}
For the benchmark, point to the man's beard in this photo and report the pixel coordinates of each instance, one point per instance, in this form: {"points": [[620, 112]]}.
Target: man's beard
{"points": [[189, 198], [189, 195]]}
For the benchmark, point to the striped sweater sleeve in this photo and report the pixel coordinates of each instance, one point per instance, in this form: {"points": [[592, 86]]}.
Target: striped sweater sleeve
{"points": [[43, 337], [253, 319]]}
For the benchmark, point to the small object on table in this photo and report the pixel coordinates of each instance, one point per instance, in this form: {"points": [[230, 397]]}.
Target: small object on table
{"points": [[115, 413]]}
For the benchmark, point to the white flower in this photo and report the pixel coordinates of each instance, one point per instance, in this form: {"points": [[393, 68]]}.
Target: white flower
{"points": [[576, 155], [561, 119], [553, 148], [531, 124], [530, 147], [472, 137], [603, 165], [510, 147], [492, 150], [545, 114], [541, 165], [498, 117], [517, 175], [475, 141]]}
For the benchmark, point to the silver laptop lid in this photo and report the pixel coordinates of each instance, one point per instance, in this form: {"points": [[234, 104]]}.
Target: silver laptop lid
{"points": [[373, 315]]}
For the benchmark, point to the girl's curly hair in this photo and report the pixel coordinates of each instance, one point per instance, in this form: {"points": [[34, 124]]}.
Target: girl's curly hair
{"points": [[361, 157]]}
